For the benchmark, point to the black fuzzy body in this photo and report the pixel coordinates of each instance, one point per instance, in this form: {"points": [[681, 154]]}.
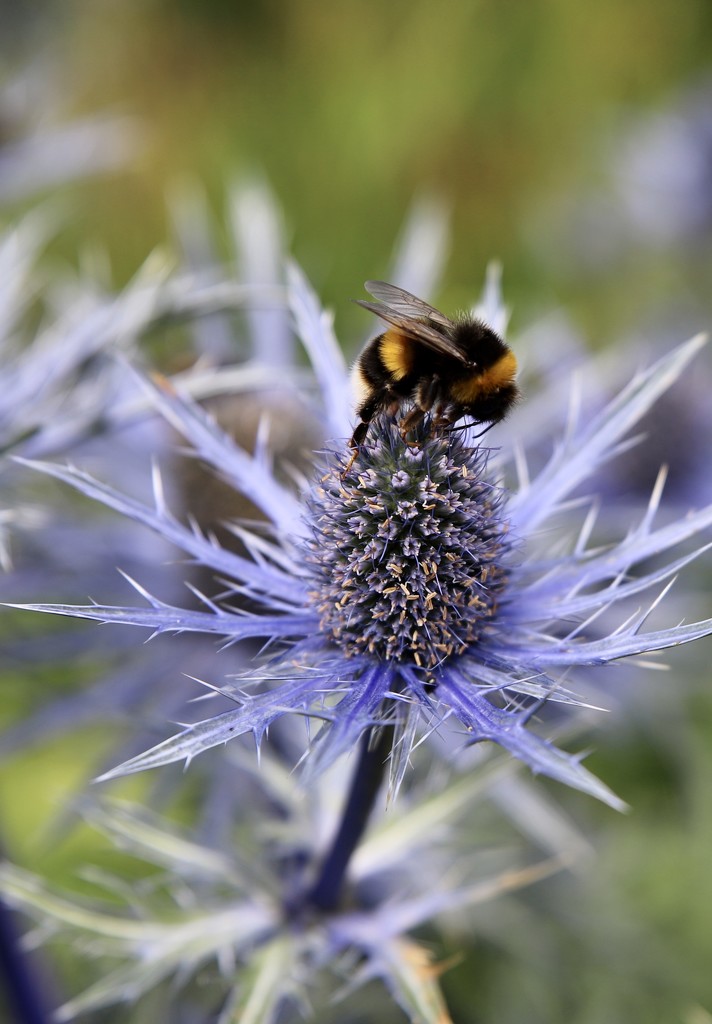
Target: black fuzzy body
{"points": [[476, 381]]}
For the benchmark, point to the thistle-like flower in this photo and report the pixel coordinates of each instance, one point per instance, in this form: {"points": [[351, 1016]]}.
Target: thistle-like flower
{"points": [[421, 586], [437, 593], [409, 553]]}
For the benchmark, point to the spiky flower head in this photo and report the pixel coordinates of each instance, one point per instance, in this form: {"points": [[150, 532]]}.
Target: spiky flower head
{"points": [[501, 607], [409, 548], [415, 595]]}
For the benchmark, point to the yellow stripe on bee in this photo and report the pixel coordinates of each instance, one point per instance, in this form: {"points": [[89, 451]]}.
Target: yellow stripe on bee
{"points": [[476, 385], [396, 351]]}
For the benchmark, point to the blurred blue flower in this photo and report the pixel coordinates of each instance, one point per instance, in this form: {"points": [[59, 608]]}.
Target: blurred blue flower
{"points": [[418, 587], [662, 169], [218, 929], [41, 150]]}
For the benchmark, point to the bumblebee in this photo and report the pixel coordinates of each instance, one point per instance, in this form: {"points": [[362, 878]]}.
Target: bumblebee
{"points": [[450, 368]]}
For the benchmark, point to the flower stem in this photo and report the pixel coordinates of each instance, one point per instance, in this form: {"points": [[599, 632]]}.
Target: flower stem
{"points": [[27, 995], [365, 784]]}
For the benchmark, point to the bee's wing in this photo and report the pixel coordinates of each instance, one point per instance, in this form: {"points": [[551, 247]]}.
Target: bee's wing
{"points": [[416, 329], [403, 302], [407, 312]]}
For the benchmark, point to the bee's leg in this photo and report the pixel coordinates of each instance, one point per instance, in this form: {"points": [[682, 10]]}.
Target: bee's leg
{"points": [[414, 418], [439, 421], [357, 439], [425, 399], [359, 434], [384, 400], [445, 416], [349, 464]]}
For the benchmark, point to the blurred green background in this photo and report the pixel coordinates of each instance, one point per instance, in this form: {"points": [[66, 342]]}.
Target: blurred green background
{"points": [[507, 111], [511, 113]]}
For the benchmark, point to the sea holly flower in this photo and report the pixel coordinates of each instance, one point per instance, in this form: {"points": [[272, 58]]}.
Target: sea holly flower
{"points": [[415, 588], [233, 319], [437, 592]]}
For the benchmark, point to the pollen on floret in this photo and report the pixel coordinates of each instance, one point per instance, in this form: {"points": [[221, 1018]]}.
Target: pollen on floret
{"points": [[409, 551]]}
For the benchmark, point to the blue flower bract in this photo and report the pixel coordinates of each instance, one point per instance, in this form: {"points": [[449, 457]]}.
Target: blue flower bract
{"points": [[417, 587]]}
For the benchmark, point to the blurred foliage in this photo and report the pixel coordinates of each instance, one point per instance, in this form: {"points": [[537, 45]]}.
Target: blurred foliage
{"points": [[350, 110]]}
